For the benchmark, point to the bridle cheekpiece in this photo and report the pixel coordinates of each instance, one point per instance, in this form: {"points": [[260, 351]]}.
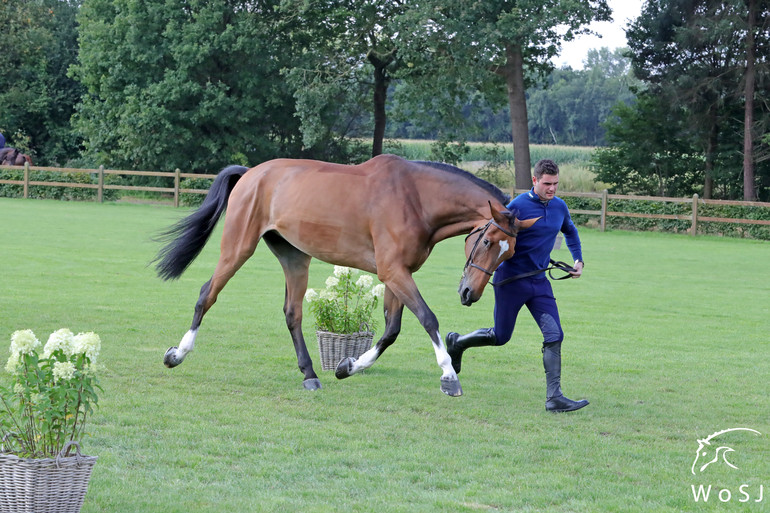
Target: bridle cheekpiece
{"points": [[483, 230]]}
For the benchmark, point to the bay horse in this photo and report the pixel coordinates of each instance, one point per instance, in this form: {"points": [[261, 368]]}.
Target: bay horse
{"points": [[383, 216], [13, 157]]}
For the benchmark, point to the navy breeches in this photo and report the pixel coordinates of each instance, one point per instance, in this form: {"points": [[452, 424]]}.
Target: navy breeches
{"points": [[537, 294]]}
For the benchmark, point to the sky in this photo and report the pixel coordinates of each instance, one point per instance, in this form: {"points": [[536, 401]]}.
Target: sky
{"points": [[613, 34]]}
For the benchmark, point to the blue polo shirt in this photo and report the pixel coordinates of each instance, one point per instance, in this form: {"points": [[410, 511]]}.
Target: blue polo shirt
{"points": [[534, 244]]}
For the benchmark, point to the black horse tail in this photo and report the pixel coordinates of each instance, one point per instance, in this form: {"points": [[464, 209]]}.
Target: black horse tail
{"points": [[185, 240]]}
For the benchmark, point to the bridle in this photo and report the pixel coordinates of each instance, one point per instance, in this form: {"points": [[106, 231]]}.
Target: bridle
{"points": [[560, 266], [483, 231]]}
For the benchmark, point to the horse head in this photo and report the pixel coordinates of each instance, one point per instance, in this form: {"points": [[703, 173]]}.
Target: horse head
{"points": [[491, 242], [704, 454]]}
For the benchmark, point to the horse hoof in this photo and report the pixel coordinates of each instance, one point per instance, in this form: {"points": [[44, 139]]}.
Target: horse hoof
{"points": [[451, 387], [169, 359], [312, 384], [344, 368]]}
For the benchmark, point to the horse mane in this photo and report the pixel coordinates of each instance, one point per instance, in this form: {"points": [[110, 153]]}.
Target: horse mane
{"points": [[490, 188]]}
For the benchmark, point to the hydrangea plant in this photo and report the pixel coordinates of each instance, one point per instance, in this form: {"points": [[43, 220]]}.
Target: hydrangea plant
{"points": [[347, 303], [52, 392]]}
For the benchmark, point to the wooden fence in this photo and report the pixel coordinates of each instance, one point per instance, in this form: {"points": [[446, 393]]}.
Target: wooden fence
{"points": [[603, 213], [100, 186], [693, 217]]}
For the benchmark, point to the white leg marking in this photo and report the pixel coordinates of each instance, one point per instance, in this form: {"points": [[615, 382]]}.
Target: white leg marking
{"points": [[443, 359], [186, 345], [364, 361]]}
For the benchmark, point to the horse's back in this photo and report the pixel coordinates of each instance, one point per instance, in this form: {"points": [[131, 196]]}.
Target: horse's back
{"points": [[326, 210]]}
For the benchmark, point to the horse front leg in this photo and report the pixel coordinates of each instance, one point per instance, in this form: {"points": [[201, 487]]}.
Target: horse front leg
{"points": [[393, 309], [405, 289]]}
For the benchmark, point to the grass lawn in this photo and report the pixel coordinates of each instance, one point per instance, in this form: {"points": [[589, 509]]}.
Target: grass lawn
{"points": [[666, 335]]}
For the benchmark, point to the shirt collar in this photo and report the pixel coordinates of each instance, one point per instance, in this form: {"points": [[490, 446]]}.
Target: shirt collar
{"points": [[534, 197]]}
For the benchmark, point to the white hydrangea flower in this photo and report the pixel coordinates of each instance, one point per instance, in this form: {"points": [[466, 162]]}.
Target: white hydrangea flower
{"points": [[63, 371], [24, 342], [365, 281], [88, 344], [379, 290], [59, 339], [12, 367], [332, 282], [340, 271], [311, 295]]}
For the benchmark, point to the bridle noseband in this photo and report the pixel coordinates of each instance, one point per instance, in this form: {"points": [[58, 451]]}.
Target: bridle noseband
{"points": [[483, 230]]}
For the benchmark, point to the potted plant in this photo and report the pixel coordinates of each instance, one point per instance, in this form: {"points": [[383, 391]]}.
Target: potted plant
{"points": [[43, 414], [343, 314]]}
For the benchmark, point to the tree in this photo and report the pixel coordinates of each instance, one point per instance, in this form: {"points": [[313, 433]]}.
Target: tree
{"points": [[649, 150], [188, 84], [570, 106], [696, 54], [500, 43], [37, 98], [348, 55]]}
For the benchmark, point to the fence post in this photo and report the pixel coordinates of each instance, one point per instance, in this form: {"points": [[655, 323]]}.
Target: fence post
{"points": [[603, 222], [694, 227], [100, 190], [26, 180], [176, 187]]}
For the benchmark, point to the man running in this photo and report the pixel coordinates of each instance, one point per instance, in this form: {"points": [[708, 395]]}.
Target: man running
{"points": [[529, 287]]}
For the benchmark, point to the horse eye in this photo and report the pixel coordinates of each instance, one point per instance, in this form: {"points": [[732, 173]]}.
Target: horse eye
{"points": [[486, 242]]}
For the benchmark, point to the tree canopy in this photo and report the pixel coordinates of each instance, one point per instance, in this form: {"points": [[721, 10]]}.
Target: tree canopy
{"points": [[197, 84], [693, 57]]}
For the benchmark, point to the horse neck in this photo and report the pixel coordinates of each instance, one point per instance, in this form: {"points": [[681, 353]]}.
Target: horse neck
{"points": [[458, 214]]}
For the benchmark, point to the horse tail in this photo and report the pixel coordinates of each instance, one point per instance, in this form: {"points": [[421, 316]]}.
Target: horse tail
{"points": [[185, 239]]}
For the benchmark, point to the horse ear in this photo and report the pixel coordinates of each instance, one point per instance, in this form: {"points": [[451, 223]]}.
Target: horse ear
{"points": [[523, 225], [503, 217]]}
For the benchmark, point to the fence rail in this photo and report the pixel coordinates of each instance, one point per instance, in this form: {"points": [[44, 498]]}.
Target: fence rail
{"points": [[603, 213], [693, 216], [100, 186]]}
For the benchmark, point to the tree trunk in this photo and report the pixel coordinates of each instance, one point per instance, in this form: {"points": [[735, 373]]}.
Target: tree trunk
{"points": [[380, 117], [749, 187], [517, 104], [381, 80], [711, 149]]}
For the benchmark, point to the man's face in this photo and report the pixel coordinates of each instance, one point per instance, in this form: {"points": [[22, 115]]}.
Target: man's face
{"points": [[546, 186]]}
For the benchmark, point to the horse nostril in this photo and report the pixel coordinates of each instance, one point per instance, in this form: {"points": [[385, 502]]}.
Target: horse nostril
{"points": [[465, 296]]}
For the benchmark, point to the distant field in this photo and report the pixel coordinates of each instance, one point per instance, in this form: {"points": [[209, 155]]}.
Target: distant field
{"points": [[573, 162], [666, 335]]}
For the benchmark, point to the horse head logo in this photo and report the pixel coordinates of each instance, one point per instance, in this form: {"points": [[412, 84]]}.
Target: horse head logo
{"points": [[705, 444]]}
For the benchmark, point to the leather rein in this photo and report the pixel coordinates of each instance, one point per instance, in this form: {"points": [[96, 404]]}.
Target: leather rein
{"points": [[553, 264]]}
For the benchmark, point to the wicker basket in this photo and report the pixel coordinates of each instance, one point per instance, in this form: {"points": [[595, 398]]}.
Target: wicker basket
{"points": [[44, 485], [334, 347]]}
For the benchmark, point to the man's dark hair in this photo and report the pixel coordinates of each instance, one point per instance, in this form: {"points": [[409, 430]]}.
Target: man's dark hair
{"points": [[546, 167]]}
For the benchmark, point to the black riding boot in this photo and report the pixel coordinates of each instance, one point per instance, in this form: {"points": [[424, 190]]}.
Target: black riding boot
{"points": [[456, 344], [555, 400]]}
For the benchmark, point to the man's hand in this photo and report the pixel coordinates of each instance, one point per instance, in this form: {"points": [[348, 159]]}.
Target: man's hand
{"points": [[578, 266]]}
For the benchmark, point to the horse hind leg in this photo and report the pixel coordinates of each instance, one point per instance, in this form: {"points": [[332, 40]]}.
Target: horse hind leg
{"points": [[233, 254], [175, 355], [295, 266], [393, 309]]}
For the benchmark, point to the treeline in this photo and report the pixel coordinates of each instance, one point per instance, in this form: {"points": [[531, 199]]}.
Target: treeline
{"points": [[197, 84]]}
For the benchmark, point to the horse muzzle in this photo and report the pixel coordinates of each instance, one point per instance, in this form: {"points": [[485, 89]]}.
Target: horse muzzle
{"points": [[468, 293]]}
